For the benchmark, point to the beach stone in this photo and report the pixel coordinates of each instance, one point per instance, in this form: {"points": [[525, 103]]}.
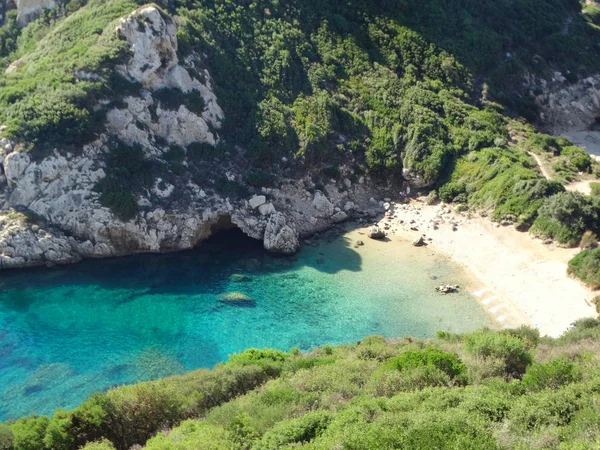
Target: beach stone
{"points": [[376, 233], [418, 242]]}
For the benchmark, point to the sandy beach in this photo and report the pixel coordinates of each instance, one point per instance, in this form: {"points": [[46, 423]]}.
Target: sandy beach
{"points": [[521, 279]]}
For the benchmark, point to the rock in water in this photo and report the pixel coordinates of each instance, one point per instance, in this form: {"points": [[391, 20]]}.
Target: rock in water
{"points": [[279, 236], [236, 299], [239, 278], [376, 233], [419, 242]]}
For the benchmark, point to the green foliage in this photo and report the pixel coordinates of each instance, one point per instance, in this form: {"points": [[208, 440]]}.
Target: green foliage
{"points": [[375, 394], [6, 437], [99, 445], [511, 350], [448, 363], [128, 172], [552, 375], [586, 266], [28, 433], [42, 101], [566, 216], [294, 431]]}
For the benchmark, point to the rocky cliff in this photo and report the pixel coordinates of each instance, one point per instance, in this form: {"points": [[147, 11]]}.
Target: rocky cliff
{"points": [[51, 205]]}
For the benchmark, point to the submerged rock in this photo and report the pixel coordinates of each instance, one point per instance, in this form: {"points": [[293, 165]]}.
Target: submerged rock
{"points": [[239, 278], [236, 299]]}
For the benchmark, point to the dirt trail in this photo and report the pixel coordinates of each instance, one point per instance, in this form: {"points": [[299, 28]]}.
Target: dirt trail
{"points": [[576, 186]]}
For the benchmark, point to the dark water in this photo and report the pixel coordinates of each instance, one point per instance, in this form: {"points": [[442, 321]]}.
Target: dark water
{"points": [[66, 332]]}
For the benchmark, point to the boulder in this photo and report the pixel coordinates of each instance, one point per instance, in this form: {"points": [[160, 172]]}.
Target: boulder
{"points": [[376, 233], [239, 278], [339, 217], [418, 242], [279, 236], [322, 204], [267, 209], [257, 200]]}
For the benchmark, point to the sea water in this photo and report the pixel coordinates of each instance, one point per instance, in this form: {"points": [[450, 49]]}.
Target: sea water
{"points": [[68, 331]]}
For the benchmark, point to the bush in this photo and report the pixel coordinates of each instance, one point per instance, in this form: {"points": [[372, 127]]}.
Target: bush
{"points": [[565, 217], [586, 266], [294, 431], [552, 375], [28, 433], [99, 445], [6, 437], [448, 363], [511, 350]]}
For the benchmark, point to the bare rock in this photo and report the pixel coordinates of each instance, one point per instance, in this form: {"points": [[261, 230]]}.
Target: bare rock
{"points": [[279, 236], [376, 233]]}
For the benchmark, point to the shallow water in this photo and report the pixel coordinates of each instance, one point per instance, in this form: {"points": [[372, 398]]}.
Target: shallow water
{"points": [[68, 331]]}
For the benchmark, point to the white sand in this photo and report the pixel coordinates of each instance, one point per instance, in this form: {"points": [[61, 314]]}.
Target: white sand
{"points": [[522, 280]]}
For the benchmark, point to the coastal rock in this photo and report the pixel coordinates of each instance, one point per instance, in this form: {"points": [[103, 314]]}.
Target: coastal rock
{"points": [[266, 209], [280, 237], [376, 233], [256, 201], [29, 10], [418, 242], [236, 299], [339, 217], [152, 37], [322, 204]]}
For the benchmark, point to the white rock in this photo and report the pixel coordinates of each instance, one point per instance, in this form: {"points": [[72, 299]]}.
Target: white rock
{"points": [[322, 204], [339, 217], [257, 200], [266, 209], [279, 236]]}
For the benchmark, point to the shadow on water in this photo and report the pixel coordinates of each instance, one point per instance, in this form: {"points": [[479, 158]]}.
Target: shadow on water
{"points": [[205, 268]]}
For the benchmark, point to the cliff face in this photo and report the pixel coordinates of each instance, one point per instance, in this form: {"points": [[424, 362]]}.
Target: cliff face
{"points": [[63, 219]]}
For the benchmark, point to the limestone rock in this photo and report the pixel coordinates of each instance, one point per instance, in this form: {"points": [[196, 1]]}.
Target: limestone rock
{"points": [[280, 237], [29, 10], [339, 217], [376, 233], [257, 200], [266, 209], [152, 37], [322, 204]]}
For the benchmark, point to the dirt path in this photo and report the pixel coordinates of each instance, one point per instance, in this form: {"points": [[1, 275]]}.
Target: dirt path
{"points": [[540, 165], [576, 186]]}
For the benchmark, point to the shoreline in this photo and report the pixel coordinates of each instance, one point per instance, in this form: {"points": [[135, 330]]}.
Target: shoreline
{"points": [[522, 281]]}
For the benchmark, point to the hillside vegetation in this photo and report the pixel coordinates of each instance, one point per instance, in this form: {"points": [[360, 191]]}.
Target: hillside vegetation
{"points": [[483, 390], [420, 89]]}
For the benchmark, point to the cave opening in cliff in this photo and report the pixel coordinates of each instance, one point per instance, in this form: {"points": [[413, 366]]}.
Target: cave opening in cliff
{"points": [[225, 236], [596, 125]]}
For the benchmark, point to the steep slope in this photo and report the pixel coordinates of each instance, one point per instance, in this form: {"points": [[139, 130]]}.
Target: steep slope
{"points": [[131, 128], [484, 390]]}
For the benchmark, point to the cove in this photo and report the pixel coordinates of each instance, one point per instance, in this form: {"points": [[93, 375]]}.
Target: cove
{"points": [[68, 331]]}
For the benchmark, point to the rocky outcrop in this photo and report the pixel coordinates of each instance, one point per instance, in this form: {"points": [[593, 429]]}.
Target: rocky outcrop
{"points": [[566, 107], [65, 220], [28, 10], [280, 237]]}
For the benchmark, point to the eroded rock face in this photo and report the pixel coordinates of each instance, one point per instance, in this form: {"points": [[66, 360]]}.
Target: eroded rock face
{"points": [[29, 10], [59, 190], [152, 38], [280, 237], [568, 107]]}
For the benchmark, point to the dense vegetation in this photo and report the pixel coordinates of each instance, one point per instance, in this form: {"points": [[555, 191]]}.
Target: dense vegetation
{"points": [[482, 390], [383, 86]]}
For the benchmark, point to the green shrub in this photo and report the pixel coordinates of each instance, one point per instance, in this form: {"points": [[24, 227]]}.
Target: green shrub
{"points": [[586, 266], [193, 435], [511, 350], [552, 375], [6, 437], [565, 217], [98, 445], [28, 433], [294, 431], [448, 363]]}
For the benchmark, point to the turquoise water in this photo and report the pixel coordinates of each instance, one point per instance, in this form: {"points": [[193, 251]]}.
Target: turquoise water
{"points": [[68, 331]]}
